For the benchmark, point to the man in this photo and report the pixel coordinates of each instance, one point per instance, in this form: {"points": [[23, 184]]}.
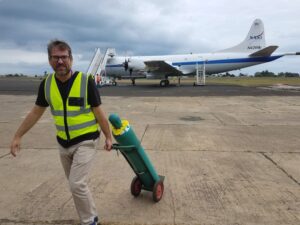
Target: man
{"points": [[75, 106]]}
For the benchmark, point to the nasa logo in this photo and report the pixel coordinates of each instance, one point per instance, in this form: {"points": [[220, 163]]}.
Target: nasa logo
{"points": [[256, 37]]}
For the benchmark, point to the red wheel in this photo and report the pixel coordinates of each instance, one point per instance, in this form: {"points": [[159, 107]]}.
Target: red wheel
{"points": [[136, 186], [158, 191]]}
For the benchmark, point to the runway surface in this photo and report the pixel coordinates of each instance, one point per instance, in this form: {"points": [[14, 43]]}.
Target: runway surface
{"points": [[29, 86], [226, 161], [230, 155]]}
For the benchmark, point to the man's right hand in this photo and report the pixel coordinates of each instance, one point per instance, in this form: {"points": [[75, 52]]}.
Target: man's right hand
{"points": [[15, 146], [32, 117], [108, 144]]}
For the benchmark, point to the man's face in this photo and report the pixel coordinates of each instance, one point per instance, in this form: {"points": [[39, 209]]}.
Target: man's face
{"points": [[60, 61]]}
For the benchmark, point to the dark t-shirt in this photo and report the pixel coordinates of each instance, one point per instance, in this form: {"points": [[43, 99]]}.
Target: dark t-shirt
{"points": [[64, 88]]}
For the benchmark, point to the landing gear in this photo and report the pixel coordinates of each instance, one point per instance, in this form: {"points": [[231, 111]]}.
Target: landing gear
{"points": [[133, 81], [114, 83], [164, 83], [179, 78]]}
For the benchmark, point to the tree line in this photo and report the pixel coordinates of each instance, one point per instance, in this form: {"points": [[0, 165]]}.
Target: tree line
{"points": [[264, 73]]}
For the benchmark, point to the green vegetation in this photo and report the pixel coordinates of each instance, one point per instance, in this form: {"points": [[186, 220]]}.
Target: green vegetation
{"points": [[15, 75], [263, 78], [253, 81], [240, 81], [266, 73]]}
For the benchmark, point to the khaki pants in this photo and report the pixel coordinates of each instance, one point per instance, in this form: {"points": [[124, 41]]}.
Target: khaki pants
{"points": [[77, 161]]}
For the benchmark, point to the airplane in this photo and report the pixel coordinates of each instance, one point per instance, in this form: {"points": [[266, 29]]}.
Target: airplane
{"points": [[251, 51]]}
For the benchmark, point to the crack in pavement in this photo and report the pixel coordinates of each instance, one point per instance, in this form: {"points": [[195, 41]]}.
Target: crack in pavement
{"points": [[2, 156], [279, 167], [144, 132], [174, 210]]}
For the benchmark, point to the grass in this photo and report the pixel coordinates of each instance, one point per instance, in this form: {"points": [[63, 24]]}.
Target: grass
{"points": [[240, 81], [254, 81]]}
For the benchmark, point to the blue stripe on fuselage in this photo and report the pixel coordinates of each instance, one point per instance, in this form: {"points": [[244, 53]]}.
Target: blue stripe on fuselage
{"points": [[223, 61], [115, 65]]}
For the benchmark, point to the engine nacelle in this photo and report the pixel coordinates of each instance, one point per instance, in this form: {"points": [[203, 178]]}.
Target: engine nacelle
{"points": [[134, 64]]}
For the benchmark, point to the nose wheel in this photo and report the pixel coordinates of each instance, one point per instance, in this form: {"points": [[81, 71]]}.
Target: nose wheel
{"points": [[133, 81]]}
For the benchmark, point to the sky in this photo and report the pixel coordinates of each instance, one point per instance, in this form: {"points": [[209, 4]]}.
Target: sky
{"points": [[140, 27]]}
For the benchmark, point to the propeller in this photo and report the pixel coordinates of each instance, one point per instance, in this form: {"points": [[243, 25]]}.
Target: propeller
{"points": [[125, 64]]}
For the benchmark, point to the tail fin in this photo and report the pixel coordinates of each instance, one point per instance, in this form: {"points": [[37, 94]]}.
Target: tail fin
{"points": [[254, 41]]}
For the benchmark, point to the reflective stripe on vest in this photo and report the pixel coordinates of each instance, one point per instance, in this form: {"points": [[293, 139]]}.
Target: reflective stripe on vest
{"points": [[72, 121]]}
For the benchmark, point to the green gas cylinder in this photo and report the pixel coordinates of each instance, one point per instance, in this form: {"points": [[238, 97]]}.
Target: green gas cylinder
{"points": [[132, 150]]}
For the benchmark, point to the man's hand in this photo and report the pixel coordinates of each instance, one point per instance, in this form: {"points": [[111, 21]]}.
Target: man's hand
{"points": [[32, 117], [103, 123], [108, 144], [15, 146]]}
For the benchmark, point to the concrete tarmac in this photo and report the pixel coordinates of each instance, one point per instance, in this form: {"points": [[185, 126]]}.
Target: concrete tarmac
{"points": [[228, 160], [146, 88]]}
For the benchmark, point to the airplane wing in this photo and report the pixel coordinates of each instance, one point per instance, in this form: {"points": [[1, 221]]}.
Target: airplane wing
{"points": [[264, 52], [160, 66]]}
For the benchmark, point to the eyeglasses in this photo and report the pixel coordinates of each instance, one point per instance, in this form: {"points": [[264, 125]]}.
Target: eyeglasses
{"points": [[62, 57]]}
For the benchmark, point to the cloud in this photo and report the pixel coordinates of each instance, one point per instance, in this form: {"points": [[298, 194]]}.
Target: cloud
{"points": [[139, 27], [15, 56]]}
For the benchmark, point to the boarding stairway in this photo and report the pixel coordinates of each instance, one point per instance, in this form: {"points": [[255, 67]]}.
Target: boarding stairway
{"points": [[200, 74], [98, 63], [95, 63]]}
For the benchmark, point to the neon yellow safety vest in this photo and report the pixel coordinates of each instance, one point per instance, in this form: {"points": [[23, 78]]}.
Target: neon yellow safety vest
{"points": [[76, 118]]}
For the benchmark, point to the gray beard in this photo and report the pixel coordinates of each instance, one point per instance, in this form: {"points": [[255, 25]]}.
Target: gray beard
{"points": [[63, 74]]}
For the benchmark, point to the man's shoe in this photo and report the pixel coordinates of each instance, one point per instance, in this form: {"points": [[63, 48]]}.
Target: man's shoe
{"points": [[95, 221]]}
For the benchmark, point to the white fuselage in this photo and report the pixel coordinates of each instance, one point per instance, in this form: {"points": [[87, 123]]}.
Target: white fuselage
{"points": [[187, 64]]}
